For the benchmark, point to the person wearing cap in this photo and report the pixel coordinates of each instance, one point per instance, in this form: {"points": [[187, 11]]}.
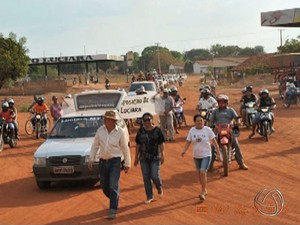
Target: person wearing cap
{"points": [[166, 117], [112, 143]]}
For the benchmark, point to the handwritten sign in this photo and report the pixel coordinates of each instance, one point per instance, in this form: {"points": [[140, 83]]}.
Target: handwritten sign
{"points": [[136, 106]]}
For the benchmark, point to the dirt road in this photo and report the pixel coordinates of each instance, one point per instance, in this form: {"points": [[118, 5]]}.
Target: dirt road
{"points": [[230, 200]]}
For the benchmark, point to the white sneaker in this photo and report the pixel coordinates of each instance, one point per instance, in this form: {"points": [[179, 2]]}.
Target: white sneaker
{"points": [[148, 201]]}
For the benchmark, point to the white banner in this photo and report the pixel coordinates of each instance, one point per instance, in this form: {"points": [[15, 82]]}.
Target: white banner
{"points": [[136, 106]]}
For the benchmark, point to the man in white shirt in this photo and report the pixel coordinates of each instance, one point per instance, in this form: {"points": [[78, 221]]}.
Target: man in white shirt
{"points": [[112, 143]]}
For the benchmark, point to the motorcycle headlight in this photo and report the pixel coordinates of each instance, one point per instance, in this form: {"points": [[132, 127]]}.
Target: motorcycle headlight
{"points": [[38, 117], [264, 110], [39, 161], [203, 113], [223, 132], [251, 105]]}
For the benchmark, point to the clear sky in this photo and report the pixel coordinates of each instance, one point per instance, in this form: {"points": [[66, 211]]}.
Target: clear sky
{"points": [[77, 27]]}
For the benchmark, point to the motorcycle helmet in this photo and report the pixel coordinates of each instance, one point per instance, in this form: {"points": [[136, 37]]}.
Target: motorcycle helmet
{"points": [[11, 102], [5, 106], [222, 101], [174, 89], [205, 92], [264, 92], [249, 88], [40, 101]]}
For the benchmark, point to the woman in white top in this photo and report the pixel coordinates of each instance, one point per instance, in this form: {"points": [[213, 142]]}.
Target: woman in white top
{"points": [[201, 137]]}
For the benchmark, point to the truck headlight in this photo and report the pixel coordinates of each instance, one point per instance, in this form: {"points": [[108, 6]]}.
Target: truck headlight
{"points": [[39, 161]]}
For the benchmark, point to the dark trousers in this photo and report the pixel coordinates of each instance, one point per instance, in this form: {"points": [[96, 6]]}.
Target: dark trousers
{"points": [[109, 180]]}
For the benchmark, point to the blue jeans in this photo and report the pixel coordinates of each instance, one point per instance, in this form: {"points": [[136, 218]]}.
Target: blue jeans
{"points": [[151, 171], [202, 164], [109, 180]]}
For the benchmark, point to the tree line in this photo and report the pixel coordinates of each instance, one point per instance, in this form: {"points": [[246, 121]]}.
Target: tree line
{"points": [[14, 59]]}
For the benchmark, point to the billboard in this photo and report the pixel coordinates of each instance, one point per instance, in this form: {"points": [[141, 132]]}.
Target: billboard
{"points": [[281, 18]]}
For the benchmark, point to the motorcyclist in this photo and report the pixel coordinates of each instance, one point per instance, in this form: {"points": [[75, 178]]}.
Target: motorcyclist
{"points": [[11, 104], [40, 107], [204, 87], [7, 115], [265, 100], [206, 101], [290, 87], [177, 97], [226, 114], [247, 97]]}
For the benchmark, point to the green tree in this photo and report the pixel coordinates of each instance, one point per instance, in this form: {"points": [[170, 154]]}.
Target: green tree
{"points": [[177, 55], [197, 54], [13, 58], [290, 46], [188, 67]]}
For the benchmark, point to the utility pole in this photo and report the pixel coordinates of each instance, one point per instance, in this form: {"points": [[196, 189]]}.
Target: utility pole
{"points": [[158, 57], [280, 31]]}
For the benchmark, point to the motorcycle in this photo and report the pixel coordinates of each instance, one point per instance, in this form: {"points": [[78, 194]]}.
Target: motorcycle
{"points": [[40, 127], [7, 135], [224, 138], [180, 82], [250, 113], [178, 110], [292, 97], [205, 114], [265, 126]]}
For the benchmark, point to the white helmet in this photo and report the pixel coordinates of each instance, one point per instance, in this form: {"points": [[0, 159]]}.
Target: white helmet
{"points": [[5, 105], [11, 101]]}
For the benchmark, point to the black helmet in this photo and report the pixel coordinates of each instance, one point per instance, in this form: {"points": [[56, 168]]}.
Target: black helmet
{"points": [[249, 88], [40, 100]]}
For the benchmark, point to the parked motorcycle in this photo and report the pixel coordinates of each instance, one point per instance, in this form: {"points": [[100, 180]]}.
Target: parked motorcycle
{"points": [[292, 97], [264, 128], [250, 113], [178, 110], [224, 138], [7, 135]]}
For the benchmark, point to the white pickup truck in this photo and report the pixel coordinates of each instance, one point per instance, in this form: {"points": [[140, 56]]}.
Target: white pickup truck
{"points": [[65, 153]]}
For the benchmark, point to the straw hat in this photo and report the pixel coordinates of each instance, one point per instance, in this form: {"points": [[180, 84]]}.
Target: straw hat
{"points": [[111, 115]]}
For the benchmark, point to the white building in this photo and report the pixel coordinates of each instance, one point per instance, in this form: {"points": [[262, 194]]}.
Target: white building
{"points": [[176, 68], [201, 66]]}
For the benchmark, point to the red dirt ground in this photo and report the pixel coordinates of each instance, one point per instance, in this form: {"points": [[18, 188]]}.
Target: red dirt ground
{"points": [[272, 165]]}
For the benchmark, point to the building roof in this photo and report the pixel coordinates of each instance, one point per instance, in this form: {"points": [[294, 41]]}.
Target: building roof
{"points": [[263, 59], [230, 61], [204, 62]]}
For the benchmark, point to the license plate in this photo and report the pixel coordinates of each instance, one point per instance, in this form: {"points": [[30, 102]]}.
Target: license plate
{"points": [[63, 169]]}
